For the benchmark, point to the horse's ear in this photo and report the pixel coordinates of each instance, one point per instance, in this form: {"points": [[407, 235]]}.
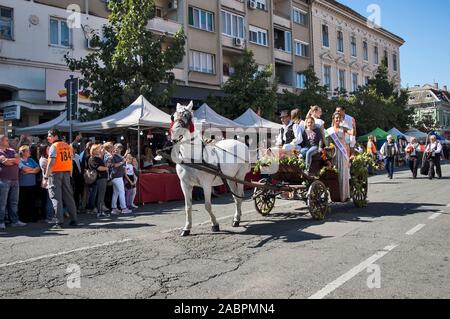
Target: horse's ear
{"points": [[190, 106], [180, 108]]}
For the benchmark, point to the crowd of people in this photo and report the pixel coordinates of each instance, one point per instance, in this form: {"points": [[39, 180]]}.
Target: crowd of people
{"points": [[308, 138], [53, 180]]}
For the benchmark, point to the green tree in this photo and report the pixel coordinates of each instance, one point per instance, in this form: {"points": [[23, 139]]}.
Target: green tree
{"points": [[426, 123], [248, 87], [313, 94], [130, 59]]}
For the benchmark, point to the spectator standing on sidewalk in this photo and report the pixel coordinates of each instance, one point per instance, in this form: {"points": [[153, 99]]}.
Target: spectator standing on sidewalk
{"points": [[96, 163], [9, 183], [130, 182], [59, 170], [117, 165], [27, 182], [47, 203]]}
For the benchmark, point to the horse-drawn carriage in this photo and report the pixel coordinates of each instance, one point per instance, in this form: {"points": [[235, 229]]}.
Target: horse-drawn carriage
{"points": [[317, 188]]}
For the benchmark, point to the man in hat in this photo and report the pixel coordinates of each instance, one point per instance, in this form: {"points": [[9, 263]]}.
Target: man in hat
{"points": [[286, 135]]}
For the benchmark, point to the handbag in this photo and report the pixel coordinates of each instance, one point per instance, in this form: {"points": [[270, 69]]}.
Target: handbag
{"points": [[90, 176], [425, 168]]}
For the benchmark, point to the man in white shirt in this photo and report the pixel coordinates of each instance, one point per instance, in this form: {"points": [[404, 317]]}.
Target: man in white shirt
{"points": [[349, 123], [286, 135], [433, 154]]}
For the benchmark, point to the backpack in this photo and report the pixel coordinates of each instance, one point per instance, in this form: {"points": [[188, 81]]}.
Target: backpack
{"points": [[90, 176]]}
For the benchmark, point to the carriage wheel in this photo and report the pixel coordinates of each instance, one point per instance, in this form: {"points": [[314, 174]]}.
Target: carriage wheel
{"points": [[318, 198], [264, 200], [359, 192]]}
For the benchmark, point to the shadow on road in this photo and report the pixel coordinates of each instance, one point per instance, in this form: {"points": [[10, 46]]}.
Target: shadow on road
{"points": [[290, 227]]}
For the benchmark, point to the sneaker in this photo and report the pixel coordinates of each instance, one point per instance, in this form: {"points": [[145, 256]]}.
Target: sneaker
{"points": [[107, 215], [2, 226], [104, 208], [95, 211], [115, 211], [56, 227], [126, 211], [134, 206], [18, 224]]}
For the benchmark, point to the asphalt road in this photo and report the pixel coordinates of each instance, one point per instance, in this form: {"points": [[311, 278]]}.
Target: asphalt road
{"points": [[398, 247]]}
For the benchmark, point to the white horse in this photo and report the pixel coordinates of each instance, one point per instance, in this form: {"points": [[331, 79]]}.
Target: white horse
{"points": [[227, 156]]}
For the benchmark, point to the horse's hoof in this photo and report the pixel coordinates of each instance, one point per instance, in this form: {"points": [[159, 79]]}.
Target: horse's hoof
{"points": [[185, 233], [236, 224], [215, 228]]}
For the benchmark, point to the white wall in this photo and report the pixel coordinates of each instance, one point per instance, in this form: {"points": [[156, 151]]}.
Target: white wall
{"points": [[23, 60]]}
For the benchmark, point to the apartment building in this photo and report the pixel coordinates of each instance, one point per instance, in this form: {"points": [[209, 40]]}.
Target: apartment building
{"points": [[290, 35], [433, 101], [348, 50], [34, 36]]}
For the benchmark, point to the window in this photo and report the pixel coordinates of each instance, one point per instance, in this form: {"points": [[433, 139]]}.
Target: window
{"points": [[300, 17], [201, 19], [283, 40], [6, 23], [258, 36], [201, 62], [340, 41], [394, 62], [300, 81], [60, 34], [376, 58], [366, 80], [353, 45], [341, 79], [301, 48], [366, 51], [354, 82], [261, 4], [325, 36], [385, 58], [232, 25], [158, 12], [327, 76]]}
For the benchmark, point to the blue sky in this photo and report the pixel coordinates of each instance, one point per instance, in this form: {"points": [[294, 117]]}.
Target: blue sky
{"points": [[425, 57]]}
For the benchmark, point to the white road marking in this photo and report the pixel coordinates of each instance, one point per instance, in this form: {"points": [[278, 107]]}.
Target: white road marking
{"points": [[351, 273], [221, 218], [109, 243], [414, 230], [435, 215]]}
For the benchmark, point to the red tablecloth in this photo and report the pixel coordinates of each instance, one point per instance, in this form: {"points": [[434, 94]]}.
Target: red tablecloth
{"points": [[166, 187], [159, 188]]}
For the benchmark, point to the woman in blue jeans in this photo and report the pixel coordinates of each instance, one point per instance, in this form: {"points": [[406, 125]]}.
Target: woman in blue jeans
{"points": [[312, 141]]}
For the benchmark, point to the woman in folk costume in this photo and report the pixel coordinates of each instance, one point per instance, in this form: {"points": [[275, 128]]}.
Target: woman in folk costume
{"points": [[339, 136]]}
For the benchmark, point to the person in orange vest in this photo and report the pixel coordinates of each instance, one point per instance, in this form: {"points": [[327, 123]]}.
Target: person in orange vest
{"points": [[59, 170]]}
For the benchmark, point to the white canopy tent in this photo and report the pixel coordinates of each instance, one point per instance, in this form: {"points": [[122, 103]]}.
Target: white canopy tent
{"points": [[141, 113], [206, 116], [251, 119], [59, 123]]}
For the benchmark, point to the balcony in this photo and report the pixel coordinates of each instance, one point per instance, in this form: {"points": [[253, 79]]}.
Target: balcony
{"points": [[284, 56], [164, 26], [238, 5], [282, 21]]}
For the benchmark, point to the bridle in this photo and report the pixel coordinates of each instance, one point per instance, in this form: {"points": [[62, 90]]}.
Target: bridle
{"points": [[185, 124]]}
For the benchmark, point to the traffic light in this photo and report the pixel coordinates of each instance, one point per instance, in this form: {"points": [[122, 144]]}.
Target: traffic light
{"points": [[72, 87]]}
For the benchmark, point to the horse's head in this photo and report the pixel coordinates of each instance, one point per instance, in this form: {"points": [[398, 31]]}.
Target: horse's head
{"points": [[182, 125]]}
